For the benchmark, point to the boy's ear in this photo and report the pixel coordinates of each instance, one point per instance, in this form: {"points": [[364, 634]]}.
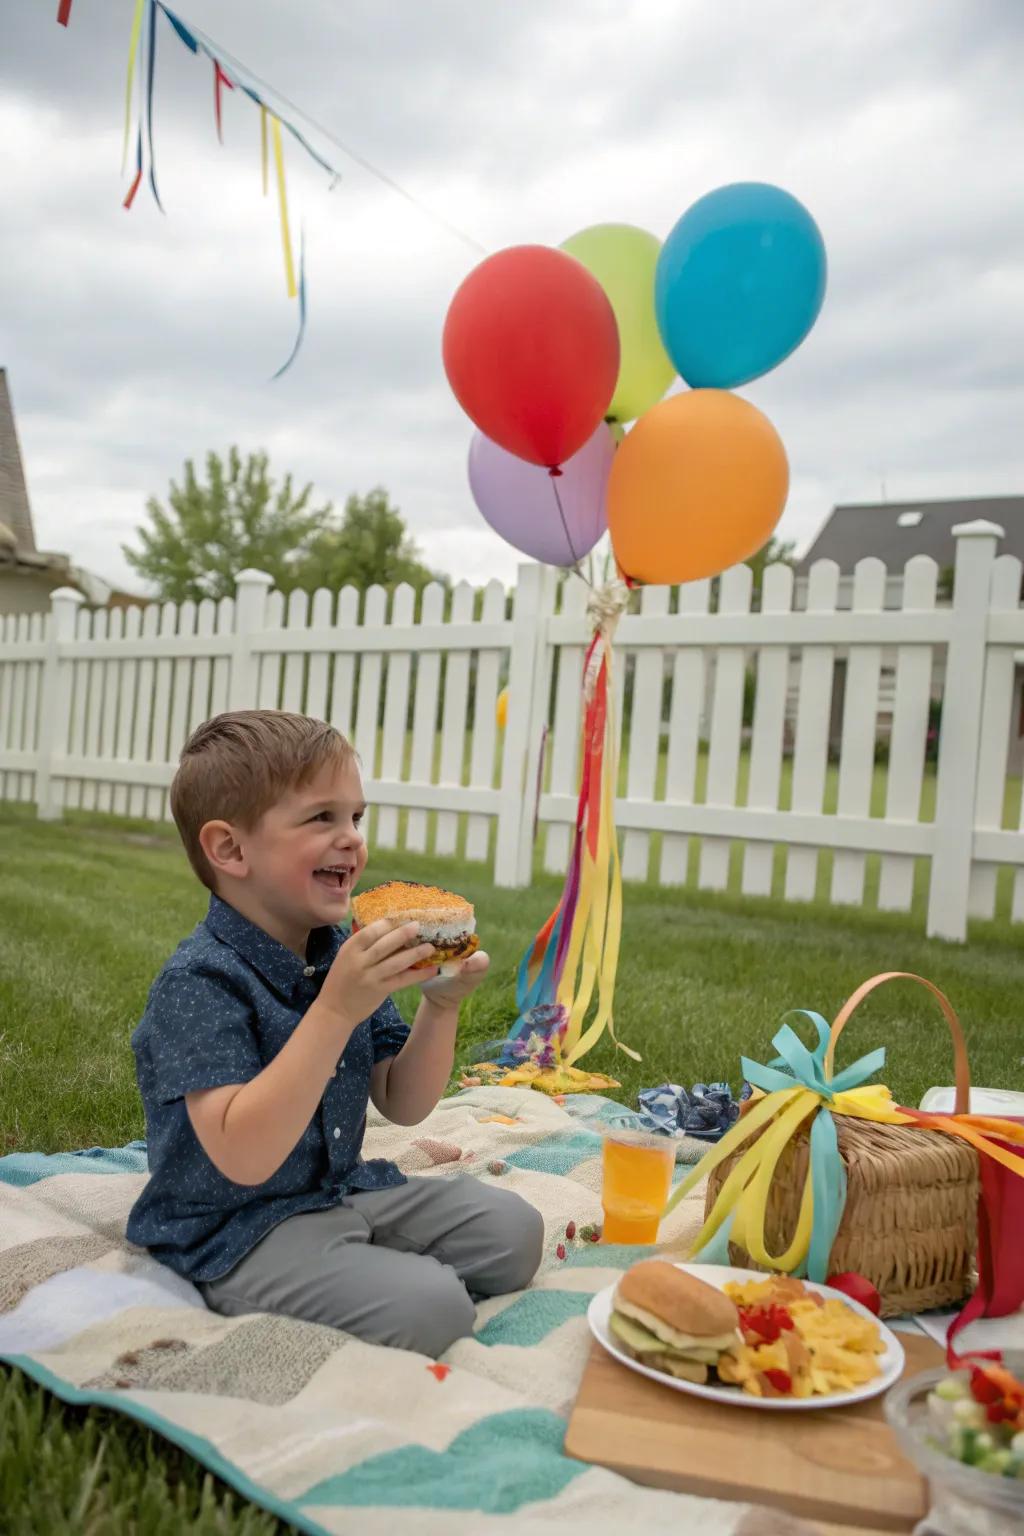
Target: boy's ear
{"points": [[219, 842]]}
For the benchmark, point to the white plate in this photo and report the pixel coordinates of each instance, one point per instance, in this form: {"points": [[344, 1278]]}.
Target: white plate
{"points": [[890, 1363]]}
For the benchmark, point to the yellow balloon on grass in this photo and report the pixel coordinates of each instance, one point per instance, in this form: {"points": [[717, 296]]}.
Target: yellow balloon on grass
{"points": [[502, 709], [623, 259], [697, 485]]}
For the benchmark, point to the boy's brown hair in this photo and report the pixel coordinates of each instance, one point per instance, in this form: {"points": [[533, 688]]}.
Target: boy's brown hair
{"points": [[237, 765]]}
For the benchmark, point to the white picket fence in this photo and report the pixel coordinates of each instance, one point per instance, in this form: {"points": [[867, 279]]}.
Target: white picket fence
{"points": [[95, 706]]}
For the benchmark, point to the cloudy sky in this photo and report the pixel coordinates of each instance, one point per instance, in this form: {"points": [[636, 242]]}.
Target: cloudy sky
{"points": [[135, 340]]}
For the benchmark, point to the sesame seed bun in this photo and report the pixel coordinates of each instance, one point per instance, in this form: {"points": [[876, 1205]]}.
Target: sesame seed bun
{"points": [[445, 920], [677, 1307]]}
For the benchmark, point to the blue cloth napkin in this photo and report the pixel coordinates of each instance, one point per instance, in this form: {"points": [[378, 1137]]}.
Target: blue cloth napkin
{"points": [[705, 1111]]}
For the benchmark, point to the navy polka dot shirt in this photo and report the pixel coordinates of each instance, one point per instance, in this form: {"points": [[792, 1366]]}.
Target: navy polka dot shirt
{"points": [[219, 1012]]}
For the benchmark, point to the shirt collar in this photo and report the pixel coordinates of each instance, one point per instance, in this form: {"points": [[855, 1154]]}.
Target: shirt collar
{"points": [[274, 961]]}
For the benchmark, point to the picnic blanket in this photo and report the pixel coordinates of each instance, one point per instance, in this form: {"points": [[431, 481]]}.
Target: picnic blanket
{"points": [[323, 1430]]}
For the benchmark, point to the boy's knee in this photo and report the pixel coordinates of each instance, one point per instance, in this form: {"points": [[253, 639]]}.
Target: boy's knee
{"points": [[440, 1312], [522, 1229]]}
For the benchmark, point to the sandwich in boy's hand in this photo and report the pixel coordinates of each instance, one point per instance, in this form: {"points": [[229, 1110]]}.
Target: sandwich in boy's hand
{"points": [[445, 920], [672, 1321]]}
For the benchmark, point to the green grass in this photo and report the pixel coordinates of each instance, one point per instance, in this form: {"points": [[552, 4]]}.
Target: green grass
{"points": [[90, 908]]}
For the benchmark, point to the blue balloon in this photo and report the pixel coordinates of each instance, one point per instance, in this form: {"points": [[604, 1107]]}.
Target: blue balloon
{"points": [[739, 283]]}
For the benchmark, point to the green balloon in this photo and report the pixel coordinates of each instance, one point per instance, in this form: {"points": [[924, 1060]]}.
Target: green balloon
{"points": [[623, 259]]}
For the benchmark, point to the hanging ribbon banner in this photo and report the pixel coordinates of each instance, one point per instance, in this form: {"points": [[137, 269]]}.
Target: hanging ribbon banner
{"points": [[577, 950], [63, 13]]}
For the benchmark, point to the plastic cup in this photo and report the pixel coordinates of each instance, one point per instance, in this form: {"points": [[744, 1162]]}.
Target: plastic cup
{"points": [[636, 1183]]}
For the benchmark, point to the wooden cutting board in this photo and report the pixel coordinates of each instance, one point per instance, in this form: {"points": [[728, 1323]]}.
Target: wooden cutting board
{"points": [[840, 1465]]}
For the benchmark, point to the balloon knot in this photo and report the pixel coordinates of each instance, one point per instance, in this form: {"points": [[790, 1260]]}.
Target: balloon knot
{"points": [[555, 472]]}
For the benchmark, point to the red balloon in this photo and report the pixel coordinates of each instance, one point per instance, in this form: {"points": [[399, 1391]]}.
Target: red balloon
{"points": [[531, 350]]}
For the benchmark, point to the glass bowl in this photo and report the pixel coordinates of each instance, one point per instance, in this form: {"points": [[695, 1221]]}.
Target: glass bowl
{"points": [[965, 1500]]}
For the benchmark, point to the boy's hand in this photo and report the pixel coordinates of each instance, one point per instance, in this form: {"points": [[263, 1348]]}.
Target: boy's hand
{"points": [[371, 965], [449, 991]]}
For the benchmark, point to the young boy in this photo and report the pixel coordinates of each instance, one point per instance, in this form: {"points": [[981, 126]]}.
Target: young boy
{"points": [[264, 1036]]}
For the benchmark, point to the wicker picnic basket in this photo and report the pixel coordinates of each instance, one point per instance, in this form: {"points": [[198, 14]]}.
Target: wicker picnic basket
{"points": [[910, 1223]]}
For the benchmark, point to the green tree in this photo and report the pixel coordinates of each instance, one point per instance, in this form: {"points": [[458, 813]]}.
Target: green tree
{"points": [[371, 544], [196, 546]]}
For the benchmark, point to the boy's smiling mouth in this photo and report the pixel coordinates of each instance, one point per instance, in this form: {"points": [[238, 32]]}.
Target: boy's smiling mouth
{"points": [[336, 878]]}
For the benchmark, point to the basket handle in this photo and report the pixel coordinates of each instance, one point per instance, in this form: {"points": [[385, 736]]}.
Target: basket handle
{"points": [[962, 1102]]}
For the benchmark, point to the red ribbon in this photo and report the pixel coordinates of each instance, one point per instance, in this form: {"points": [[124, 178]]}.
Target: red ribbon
{"points": [[1000, 1253], [219, 79], [63, 13]]}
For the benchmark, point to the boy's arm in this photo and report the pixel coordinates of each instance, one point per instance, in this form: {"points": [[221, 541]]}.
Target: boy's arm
{"points": [[408, 1086], [247, 1130]]}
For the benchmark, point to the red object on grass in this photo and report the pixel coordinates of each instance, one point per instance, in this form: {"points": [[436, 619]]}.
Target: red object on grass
{"points": [[858, 1289], [531, 350]]}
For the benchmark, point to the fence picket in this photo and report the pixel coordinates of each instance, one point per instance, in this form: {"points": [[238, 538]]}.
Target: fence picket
{"points": [[137, 797], [909, 736], [860, 724], [74, 788], [269, 694], [565, 728], [689, 671], [321, 616], [126, 713], [644, 735], [726, 728], [396, 714], [768, 732], [453, 727], [199, 704], [343, 682], [295, 662], [368, 706], [810, 754], [162, 747], [424, 723], [94, 708], [996, 709], [485, 702], [220, 670]]}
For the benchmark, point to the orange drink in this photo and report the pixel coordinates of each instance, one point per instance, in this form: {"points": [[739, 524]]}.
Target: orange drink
{"points": [[637, 1180]]}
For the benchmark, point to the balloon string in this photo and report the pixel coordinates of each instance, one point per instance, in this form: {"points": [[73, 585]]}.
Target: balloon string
{"points": [[576, 559]]}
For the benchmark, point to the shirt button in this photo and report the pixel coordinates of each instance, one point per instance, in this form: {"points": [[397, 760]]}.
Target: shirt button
{"points": [[309, 970], [337, 1132]]}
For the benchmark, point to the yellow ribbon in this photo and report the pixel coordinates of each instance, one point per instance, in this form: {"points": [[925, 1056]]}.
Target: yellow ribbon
{"points": [[597, 929], [744, 1194], [263, 146], [282, 196], [133, 48]]}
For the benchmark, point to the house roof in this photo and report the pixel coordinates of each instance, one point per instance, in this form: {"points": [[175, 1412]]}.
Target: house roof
{"points": [[15, 511], [889, 531]]}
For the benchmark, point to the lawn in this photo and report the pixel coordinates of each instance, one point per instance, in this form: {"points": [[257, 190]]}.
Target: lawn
{"points": [[90, 908]]}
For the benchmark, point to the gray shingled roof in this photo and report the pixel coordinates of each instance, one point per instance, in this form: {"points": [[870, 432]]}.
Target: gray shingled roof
{"points": [[14, 504], [852, 532]]}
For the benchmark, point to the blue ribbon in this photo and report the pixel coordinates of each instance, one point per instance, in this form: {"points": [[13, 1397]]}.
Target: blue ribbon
{"points": [[302, 310], [796, 1063], [150, 70]]}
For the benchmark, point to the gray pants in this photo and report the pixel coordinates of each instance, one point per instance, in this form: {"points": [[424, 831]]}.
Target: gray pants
{"points": [[392, 1266]]}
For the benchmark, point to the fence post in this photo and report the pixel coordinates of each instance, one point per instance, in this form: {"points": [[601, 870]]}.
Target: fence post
{"points": [[55, 700], [251, 588], [528, 677], [960, 734]]}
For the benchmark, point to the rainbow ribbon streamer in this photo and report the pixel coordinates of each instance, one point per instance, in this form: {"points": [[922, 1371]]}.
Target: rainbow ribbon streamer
{"points": [[798, 1085], [142, 47], [578, 947]]}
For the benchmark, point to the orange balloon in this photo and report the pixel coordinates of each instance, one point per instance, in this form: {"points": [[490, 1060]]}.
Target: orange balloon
{"points": [[697, 486]]}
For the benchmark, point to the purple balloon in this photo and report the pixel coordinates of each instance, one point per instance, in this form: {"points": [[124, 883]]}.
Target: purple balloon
{"points": [[520, 500]]}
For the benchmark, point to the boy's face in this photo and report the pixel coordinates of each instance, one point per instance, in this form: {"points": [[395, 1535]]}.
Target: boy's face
{"points": [[300, 863]]}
